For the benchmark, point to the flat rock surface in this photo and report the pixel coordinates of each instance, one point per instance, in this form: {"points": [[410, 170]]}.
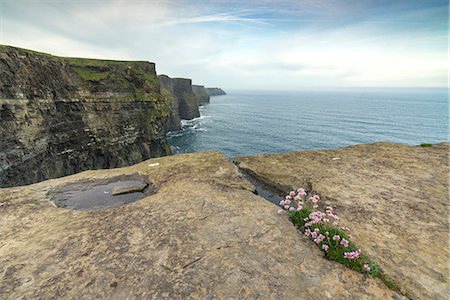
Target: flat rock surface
{"points": [[203, 235], [393, 197]]}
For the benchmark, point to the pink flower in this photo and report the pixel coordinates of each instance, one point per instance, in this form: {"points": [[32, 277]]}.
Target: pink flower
{"points": [[352, 255], [286, 207], [287, 201], [301, 192], [344, 242], [307, 232], [288, 197], [280, 211], [292, 193], [299, 208], [366, 267], [313, 234], [282, 203], [297, 198], [325, 247], [336, 237], [319, 239], [291, 208]]}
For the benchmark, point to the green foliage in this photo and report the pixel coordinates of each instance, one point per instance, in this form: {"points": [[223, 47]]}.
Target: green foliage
{"points": [[333, 241], [90, 74], [426, 145]]}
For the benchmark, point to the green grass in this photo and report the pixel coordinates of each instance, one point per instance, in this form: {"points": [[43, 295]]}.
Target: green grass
{"points": [[90, 74], [426, 145]]}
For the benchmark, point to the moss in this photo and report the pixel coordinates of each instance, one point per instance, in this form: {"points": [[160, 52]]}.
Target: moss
{"points": [[426, 145], [90, 74]]}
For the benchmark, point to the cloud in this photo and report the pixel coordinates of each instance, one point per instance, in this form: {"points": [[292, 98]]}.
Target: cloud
{"points": [[252, 44]]}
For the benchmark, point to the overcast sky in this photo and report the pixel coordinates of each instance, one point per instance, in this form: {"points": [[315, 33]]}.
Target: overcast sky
{"points": [[246, 44]]}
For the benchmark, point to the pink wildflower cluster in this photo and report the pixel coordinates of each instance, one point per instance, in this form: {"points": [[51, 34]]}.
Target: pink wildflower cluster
{"points": [[352, 254], [297, 200], [366, 267], [294, 201]]}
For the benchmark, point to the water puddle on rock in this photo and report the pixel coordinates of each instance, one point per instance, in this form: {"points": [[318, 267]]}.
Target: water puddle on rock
{"points": [[103, 193]]}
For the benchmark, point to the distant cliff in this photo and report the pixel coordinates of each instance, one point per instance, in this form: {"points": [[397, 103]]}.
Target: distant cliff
{"points": [[60, 115], [182, 99], [215, 91], [202, 93]]}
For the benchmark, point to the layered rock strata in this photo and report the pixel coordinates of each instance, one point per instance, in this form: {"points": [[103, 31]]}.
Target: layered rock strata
{"points": [[60, 115]]}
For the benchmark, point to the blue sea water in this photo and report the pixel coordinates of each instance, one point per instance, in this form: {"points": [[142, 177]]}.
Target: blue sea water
{"points": [[251, 122]]}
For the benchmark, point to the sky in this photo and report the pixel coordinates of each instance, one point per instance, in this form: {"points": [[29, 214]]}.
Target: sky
{"points": [[236, 44]]}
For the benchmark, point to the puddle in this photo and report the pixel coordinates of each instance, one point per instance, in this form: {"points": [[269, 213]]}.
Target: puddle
{"points": [[100, 194]]}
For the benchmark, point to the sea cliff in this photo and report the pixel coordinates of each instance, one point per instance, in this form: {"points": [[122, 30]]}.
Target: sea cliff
{"points": [[59, 115], [215, 91], [182, 98], [62, 115], [202, 93]]}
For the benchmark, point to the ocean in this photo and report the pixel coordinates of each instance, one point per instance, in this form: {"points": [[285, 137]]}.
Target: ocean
{"points": [[252, 122]]}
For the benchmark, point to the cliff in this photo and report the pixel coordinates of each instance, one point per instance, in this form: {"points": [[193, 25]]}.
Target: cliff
{"points": [[217, 240], [184, 102], [61, 115], [215, 91], [393, 197], [201, 93]]}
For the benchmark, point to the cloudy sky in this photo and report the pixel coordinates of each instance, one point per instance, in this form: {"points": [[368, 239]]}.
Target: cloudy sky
{"points": [[247, 44]]}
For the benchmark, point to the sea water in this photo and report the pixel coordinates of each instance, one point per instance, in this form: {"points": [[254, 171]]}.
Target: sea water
{"points": [[252, 122]]}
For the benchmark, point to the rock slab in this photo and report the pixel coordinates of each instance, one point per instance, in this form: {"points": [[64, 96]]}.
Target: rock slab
{"points": [[393, 197], [203, 235]]}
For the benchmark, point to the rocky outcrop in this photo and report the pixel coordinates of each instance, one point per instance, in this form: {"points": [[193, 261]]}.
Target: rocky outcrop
{"points": [[393, 197], [201, 93], [215, 91], [218, 240], [184, 102], [60, 115]]}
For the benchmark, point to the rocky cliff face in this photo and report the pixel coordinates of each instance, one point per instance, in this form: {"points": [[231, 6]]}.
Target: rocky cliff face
{"points": [[184, 101], [393, 197], [201, 93], [215, 91], [218, 240], [59, 115]]}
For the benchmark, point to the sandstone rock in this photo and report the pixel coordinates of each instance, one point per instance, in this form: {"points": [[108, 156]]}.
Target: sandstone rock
{"points": [[393, 197], [203, 235]]}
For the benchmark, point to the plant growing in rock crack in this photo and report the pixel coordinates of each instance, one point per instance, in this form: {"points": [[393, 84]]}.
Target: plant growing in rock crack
{"points": [[323, 228]]}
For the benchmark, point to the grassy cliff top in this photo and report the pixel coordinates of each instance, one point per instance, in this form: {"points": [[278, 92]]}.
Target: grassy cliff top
{"points": [[74, 60]]}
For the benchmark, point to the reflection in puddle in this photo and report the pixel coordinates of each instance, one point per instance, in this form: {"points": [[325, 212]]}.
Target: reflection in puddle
{"points": [[98, 194]]}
